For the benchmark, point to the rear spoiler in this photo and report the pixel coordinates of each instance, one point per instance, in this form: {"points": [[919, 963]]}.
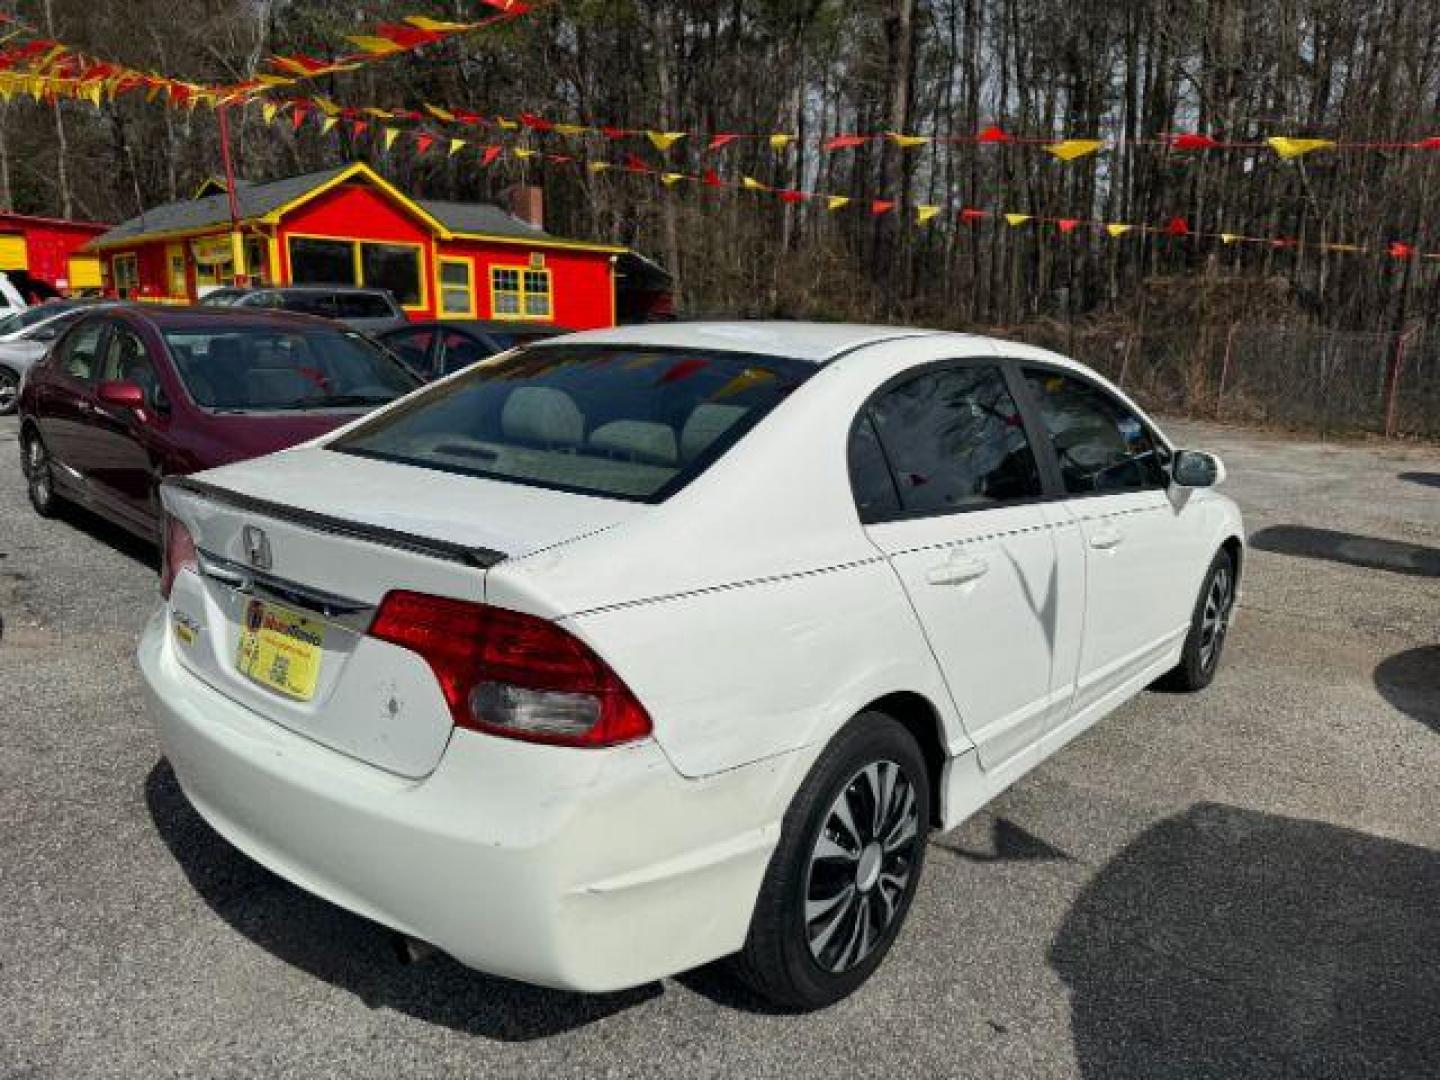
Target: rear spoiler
{"points": [[477, 557]]}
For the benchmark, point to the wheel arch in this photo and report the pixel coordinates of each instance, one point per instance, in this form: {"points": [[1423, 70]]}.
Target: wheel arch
{"points": [[1235, 547], [918, 715]]}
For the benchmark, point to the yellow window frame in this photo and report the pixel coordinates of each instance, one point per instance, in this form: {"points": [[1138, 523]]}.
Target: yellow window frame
{"points": [[441, 311], [522, 293], [357, 255]]}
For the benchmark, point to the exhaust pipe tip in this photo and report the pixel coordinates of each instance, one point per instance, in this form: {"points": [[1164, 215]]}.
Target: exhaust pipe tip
{"points": [[409, 950]]}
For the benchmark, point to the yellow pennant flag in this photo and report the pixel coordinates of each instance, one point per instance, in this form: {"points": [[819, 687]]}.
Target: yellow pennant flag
{"points": [[268, 111], [506, 123], [906, 142], [329, 122], [671, 178], [391, 134], [375, 46], [749, 183], [439, 113], [422, 22], [1228, 238], [663, 140], [1342, 247], [835, 202], [93, 93], [780, 142], [1292, 148], [326, 106], [1117, 229], [456, 145], [925, 213], [570, 129], [379, 114], [1070, 149], [524, 153], [1017, 219], [599, 166], [273, 80]]}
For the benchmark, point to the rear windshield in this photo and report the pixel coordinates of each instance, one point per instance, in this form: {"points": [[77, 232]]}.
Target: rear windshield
{"points": [[629, 423], [261, 369]]}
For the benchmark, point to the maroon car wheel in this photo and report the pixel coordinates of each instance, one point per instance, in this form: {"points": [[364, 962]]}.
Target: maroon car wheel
{"points": [[39, 479]]}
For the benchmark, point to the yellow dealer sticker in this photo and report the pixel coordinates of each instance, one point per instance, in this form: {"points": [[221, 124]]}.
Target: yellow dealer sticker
{"points": [[281, 649]]}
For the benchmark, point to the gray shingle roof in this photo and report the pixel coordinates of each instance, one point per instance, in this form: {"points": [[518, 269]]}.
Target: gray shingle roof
{"points": [[257, 200]]}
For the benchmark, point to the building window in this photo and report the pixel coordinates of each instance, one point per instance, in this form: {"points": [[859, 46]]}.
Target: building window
{"points": [[395, 267], [457, 295], [519, 293], [256, 260], [126, 271], [322, 262], [175, 253]]}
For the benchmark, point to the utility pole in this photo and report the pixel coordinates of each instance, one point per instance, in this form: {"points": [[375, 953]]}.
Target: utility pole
{"points": [[237, 241]]}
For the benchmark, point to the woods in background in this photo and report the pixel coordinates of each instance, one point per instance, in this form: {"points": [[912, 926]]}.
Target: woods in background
{"points": [[1124, 71]]}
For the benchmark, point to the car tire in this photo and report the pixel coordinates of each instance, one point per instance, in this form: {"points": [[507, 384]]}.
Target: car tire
{"points": [[835, 895], [9, 390], [39, 474], [1209, 626]]}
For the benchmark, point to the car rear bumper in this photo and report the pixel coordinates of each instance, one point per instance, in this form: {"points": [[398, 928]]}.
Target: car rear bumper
{"points": [[589, 870]]}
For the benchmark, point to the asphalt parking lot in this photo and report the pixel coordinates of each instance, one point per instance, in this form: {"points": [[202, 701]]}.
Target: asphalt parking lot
{"points": [[1237, 884]]}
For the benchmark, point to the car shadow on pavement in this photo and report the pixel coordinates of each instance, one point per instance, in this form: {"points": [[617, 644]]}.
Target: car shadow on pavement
{"points": [[1410, 681], [353, 953], [111, 535], [1429, 479], [1371, 552], [1227, 942]]}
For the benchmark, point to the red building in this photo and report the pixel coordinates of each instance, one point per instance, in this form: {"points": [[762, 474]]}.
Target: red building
{"points": [[348, 226], [49, 250]]}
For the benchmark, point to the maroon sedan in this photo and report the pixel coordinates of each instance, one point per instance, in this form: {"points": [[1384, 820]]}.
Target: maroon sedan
{"points": [[131, 395]]}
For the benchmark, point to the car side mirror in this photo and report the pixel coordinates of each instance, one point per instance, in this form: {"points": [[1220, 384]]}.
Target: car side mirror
{"points": [[45, 333], [1197, 469], [123, 395]]}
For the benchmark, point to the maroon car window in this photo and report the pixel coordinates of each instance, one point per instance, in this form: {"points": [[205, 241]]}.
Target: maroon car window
{"points": [[263, 368], [81, 351], [127, 360]]}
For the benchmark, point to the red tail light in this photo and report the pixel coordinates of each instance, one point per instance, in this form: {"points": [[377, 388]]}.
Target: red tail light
{"points": [[178, 554], [512, 674]]}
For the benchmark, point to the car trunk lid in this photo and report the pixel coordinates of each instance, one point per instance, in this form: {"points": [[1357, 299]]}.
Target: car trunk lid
{"points": [[297, 552]]}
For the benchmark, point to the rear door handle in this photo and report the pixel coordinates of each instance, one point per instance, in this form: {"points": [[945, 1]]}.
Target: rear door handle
{"points": [[958, 570], [1106, 538]]}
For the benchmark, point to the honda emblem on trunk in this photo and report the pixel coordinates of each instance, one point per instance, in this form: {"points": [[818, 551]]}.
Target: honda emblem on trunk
{"points": [[257, 548]]}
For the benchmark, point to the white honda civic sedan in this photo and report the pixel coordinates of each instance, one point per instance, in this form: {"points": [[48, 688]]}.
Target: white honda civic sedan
{"points": [[634, 649]]}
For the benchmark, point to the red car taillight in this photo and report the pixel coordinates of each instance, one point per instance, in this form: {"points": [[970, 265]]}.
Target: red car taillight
{"points": [[511, 674], [177, 554]]}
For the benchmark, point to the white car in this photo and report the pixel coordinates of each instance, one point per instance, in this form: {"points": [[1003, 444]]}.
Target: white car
{"points": [[642, 647]]}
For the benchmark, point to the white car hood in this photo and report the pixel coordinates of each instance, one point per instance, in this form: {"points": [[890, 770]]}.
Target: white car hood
{"points": [[513, 519]]}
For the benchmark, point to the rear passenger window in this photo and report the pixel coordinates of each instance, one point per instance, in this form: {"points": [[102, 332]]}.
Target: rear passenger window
{"points": [[1101, 445], [80, 358], [953, 440]]}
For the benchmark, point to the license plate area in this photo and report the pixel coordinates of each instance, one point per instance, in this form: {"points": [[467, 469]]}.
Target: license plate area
{"points": [[281, 649]]}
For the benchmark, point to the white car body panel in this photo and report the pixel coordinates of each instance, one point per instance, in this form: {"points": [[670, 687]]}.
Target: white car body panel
{"points": [[752, 615]]}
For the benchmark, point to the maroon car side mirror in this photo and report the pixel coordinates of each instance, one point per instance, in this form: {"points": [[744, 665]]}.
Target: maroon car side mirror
{"points": [[124, 395]]}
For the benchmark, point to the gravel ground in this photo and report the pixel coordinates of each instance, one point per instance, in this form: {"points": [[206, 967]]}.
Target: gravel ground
{"points": [[1241, 883]]}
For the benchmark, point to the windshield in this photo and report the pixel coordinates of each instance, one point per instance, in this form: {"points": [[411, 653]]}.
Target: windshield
{"points": [[22, 320], [263, 368], [629, 423]]}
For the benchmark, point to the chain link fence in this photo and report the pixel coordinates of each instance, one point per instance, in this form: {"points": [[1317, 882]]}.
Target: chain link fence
{"points": [[1328, 382]]}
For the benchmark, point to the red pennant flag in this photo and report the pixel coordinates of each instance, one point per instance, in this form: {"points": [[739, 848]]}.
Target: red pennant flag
{"points": [[1284, 242], [790, 196], [1177, 227], [491, 153], [613, 132], [711, 178], [466, 117], [559, 159], [1193, 141], [357, 127], [407, 37], [845, 142], [882, 206], [297, 117], [722, 140], [536, 123], [635, 164], [1432, 143], [969, 216], [406, 114], [509, 7], [423, 142], [1401, 251], [1067, 225], [992, 134]]}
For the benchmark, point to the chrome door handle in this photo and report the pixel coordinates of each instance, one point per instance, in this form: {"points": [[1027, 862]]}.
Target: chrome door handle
{"points": [[1106, 538], [958, 571]]}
